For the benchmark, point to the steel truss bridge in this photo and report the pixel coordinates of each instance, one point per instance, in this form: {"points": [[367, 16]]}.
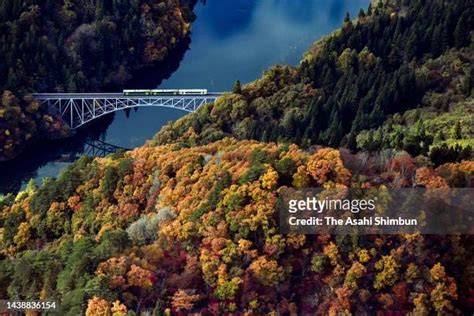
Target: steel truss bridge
{"points": [[77, 109]]}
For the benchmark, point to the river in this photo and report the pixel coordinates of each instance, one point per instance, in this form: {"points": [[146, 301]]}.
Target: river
{"points": [[230, 40]]}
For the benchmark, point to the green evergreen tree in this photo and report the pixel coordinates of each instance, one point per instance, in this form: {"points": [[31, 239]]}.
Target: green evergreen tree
{"points": [[347, 17], [237, 87], [457, 131], [439, 137]]}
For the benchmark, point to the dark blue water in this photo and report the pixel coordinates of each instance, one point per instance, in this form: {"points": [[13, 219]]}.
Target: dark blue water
{"points": [[230, 40], [237, 40]]}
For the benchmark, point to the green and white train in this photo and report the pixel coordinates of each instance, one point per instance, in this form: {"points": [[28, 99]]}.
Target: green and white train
{"points": [[165, 92]]}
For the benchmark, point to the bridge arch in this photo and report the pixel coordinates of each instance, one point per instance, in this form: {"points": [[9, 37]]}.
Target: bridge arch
{"points": [[79, 109]]}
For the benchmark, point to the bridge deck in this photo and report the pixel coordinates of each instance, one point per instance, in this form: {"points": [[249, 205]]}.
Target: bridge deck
{"points": [[114, 95]]}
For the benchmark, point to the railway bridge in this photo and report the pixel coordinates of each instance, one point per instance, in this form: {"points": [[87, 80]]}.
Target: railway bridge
{"points": [[78, 109]]}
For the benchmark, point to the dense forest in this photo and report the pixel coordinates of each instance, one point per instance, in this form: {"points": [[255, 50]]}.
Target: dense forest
{"points": [[76, 46], [195, 230], [188, 223]]}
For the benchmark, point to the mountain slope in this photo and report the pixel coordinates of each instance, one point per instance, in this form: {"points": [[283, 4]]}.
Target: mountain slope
{"points": [[196, 230], [189, 224], [373, 67]]}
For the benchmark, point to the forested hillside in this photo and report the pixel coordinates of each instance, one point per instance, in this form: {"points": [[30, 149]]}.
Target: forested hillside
{"points": [[195, 230], [75, 46], [392, 58], [189, 224]]}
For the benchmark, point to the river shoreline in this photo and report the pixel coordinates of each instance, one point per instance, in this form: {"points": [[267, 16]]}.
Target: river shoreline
{"points": [[207, 58]]}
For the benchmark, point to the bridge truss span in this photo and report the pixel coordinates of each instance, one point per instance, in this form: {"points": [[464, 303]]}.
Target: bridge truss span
{"points": [[79, 109]]}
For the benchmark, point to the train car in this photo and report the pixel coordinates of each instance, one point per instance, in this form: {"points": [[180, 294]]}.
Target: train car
{"points": [[135, 92], [164, 92], [193, 92], [151, 92]]}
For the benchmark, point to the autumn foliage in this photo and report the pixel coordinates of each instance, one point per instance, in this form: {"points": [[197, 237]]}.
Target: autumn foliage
{"points": [[195, 230]]}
